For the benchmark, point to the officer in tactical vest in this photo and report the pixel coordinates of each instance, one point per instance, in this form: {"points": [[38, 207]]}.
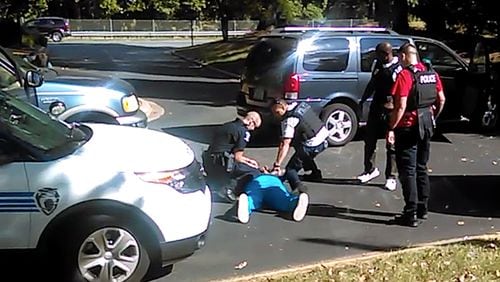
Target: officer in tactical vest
{"points": [[224, 160], [385, 70], [418, 100], [301, 128]]}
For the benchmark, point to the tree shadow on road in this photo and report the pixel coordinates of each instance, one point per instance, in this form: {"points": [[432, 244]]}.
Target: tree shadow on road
{"points": [[204, 134], [352, 245], [471, 195], [365, 216]]}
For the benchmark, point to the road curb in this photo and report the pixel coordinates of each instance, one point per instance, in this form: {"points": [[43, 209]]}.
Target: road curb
{"points": [[203, 64], [354, 259], [152, 110]]}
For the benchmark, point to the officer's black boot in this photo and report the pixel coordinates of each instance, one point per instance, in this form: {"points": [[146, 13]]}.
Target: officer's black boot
{"points": [[422, 212], [407, 219]]}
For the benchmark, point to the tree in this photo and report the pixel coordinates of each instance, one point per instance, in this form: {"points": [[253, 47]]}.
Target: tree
{"points": [[21, 9], [110, 7]]}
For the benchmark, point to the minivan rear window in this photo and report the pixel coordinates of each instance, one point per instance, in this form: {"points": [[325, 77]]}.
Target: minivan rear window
{"points": [[271, 53]]}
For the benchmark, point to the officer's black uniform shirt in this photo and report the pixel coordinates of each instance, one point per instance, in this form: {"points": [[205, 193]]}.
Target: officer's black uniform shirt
{"points": [[230, 137]]}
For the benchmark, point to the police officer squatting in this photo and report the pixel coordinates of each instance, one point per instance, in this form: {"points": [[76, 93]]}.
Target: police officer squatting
{"points": [[385, 69], [418, 101], [224, 160]]}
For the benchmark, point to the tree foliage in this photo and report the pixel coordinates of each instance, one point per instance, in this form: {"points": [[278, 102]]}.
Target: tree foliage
{"points": [[439, 16]]}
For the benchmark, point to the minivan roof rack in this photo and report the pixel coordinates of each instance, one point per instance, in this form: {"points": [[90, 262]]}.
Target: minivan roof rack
{"points": [[292, 29]]}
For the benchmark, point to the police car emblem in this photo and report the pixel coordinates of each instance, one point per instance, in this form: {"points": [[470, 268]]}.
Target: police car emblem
{"points": [[47, 200]]}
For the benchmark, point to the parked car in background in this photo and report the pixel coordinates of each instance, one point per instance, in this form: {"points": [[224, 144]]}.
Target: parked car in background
{"points": [[330, 68], [93, 206], [74, 96], [55, 28]]}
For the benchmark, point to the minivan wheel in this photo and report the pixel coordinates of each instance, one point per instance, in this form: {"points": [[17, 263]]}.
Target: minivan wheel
{"points": [[101, 250], [489, 116], [56, 36], [342, 123]]}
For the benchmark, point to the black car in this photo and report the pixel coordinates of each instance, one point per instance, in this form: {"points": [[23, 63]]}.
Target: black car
{"points": [[330, 68], [53, 27]]}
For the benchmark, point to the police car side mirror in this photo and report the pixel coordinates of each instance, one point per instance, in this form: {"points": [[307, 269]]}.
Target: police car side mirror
{"points": [[33, 79]]}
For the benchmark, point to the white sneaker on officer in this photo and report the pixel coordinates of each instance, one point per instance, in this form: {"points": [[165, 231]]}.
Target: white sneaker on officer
{"points": [[367, 176], [243, 213], [301, 209], [390, 184]]}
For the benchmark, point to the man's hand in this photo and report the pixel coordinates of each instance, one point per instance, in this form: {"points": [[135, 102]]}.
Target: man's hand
{"points": [[390, 138], [252, 163]]}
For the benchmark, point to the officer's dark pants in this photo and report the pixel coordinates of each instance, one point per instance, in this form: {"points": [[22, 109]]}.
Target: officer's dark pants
{"points": [[377, 123], [218, 177], [302, 158], [412, 154]]}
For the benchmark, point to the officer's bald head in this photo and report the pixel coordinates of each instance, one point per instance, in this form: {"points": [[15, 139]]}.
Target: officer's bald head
{"points": [[252, 120], [384, 52]]}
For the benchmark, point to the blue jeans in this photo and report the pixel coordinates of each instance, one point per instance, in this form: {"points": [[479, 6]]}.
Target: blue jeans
{"points": [[412, 154], [268, 191], [303, 158]]}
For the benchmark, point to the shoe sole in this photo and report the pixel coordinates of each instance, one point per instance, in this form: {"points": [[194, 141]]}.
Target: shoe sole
{"points": [[301, 209], [390, 189], [243, 215]]}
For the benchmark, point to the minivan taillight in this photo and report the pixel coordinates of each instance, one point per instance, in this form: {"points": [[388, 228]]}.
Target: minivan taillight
{"points": [[292, 86]]}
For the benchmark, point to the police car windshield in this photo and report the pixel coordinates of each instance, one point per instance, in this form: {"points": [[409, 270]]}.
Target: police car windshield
{"points": [[43, 135]]}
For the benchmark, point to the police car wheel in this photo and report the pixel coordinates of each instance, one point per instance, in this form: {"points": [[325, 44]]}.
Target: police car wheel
{"points": [[103, 249], [342, 123], [92, 117]]}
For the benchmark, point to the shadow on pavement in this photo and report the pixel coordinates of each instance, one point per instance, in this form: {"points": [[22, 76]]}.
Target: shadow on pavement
{"points": [[326, 210], [465, 195], [204, 134], [195, 93], [345, 181], [15, 263], [353, 245]]}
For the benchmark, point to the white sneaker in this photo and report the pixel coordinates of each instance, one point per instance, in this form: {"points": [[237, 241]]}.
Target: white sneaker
{"points": [[300, 210], [390, 184], [243, 213], [366, 176]]}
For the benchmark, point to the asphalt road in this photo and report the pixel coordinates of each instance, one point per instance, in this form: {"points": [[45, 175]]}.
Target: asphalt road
{"points": [[344, 219]]}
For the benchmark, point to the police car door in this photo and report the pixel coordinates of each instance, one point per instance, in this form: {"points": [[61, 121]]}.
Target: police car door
{"points": [[16, 202], [453, 72]]}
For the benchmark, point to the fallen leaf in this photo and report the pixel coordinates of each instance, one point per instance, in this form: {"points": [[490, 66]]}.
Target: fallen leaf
{"points": [[241, 265], [460, 223], [371, 271], [346, 248], [429, 170], [461, 278], [492, 246], [446, 263], [377, 205], [494, 163], [330, 271], [497, 273], [463, 159]]}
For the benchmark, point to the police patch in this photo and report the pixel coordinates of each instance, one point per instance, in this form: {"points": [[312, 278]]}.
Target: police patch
{"points": [[247, 137], [427, 79], [47, 200]]}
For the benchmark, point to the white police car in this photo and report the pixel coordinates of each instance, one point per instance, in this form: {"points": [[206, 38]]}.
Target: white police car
{"points": [[102, 202]]}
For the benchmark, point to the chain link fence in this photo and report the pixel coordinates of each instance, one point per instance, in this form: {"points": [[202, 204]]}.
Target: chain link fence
{"points": [[185, 25]]}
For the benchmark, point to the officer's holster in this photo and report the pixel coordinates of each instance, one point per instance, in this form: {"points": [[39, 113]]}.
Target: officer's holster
{"points": [[425, 122], [225, 160]]}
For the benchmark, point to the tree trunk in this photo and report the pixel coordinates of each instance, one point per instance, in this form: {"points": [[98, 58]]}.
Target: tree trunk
{"points": [[224, 19], [400, 20], [383, 13]]}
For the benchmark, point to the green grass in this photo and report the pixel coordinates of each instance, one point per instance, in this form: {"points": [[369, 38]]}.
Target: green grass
{"points": [[475, 260], [234, 49]]}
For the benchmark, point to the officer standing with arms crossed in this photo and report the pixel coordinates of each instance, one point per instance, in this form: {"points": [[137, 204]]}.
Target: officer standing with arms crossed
{"points": [[224, 160], [303, 129], [418, 100], [385, 71]]}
